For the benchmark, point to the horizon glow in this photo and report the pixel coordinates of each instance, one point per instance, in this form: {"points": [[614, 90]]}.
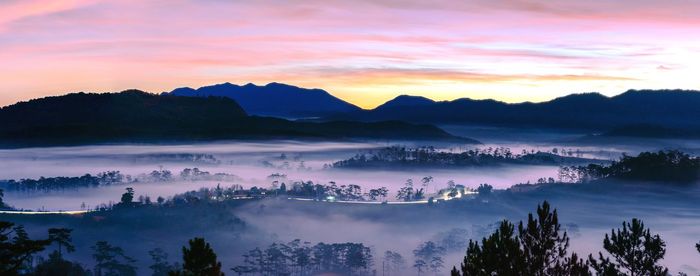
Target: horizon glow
{"points": [[364, 52]]}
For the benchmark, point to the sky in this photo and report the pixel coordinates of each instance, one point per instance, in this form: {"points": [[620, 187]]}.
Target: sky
{"points": [[362, 51]]}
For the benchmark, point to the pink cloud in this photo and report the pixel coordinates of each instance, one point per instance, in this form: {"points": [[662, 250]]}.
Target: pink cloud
{"points": [[14, 10]]}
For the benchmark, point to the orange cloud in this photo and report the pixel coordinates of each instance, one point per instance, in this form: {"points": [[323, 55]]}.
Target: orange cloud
{"points": [[403, 76]]}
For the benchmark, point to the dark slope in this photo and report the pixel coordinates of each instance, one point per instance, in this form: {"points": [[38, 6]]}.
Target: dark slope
{"points": [[274, 99], [664, 108], [135, 116], [129, 114]]}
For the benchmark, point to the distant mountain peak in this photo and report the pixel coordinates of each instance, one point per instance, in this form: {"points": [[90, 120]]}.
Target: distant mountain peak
{"points": [[273, 84], [274, 99], [411, 97], [580, 97], [183, 90], [585, 95], [406, 100]]}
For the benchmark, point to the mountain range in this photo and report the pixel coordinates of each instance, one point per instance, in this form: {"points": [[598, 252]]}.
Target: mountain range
{"points": [[634, 111], [136, 116], [212, 112], [274, 99]]}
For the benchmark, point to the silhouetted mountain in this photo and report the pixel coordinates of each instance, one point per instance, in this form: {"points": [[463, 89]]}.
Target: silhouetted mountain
{"points": [[135, 116], [673, 109], [274, 99], [404, 101]]}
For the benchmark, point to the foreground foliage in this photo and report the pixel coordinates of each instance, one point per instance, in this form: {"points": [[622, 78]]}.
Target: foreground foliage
{"points": [[198, 260], [635, 251], [539, 247]]}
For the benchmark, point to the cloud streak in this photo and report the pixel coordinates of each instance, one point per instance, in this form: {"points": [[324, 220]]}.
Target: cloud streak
{"points": [[13, 10]]}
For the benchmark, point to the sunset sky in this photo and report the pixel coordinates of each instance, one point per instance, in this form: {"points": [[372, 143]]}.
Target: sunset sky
{"points": [[362, 51]]}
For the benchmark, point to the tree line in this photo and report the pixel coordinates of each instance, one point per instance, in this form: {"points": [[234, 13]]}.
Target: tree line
{"points": [[330, 191], [302, 258], [664, 166], [108, 178], [397, 156]]}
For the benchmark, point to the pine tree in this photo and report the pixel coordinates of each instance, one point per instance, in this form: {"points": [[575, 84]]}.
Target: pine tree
{"points": [[128, 197], [429, 255], [455, 272], [160, 266], [57, 266], [498, 254], [111, 260], [16, 248], [61, 237], [539, 248], [634, 251], [199, 260], [544, 245]]}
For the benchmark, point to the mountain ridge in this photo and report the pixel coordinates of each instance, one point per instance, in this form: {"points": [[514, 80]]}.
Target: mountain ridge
{"points": [[594, 111], [137, 116], [274, 99], [634, 112]]}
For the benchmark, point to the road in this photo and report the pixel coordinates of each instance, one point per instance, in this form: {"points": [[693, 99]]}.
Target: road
{"points": [[45, 212], [289, 198]]}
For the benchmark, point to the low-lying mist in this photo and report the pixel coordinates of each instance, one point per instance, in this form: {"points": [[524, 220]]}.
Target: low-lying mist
{"points": [[251, 162], [586, 214], [234, 228]]}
